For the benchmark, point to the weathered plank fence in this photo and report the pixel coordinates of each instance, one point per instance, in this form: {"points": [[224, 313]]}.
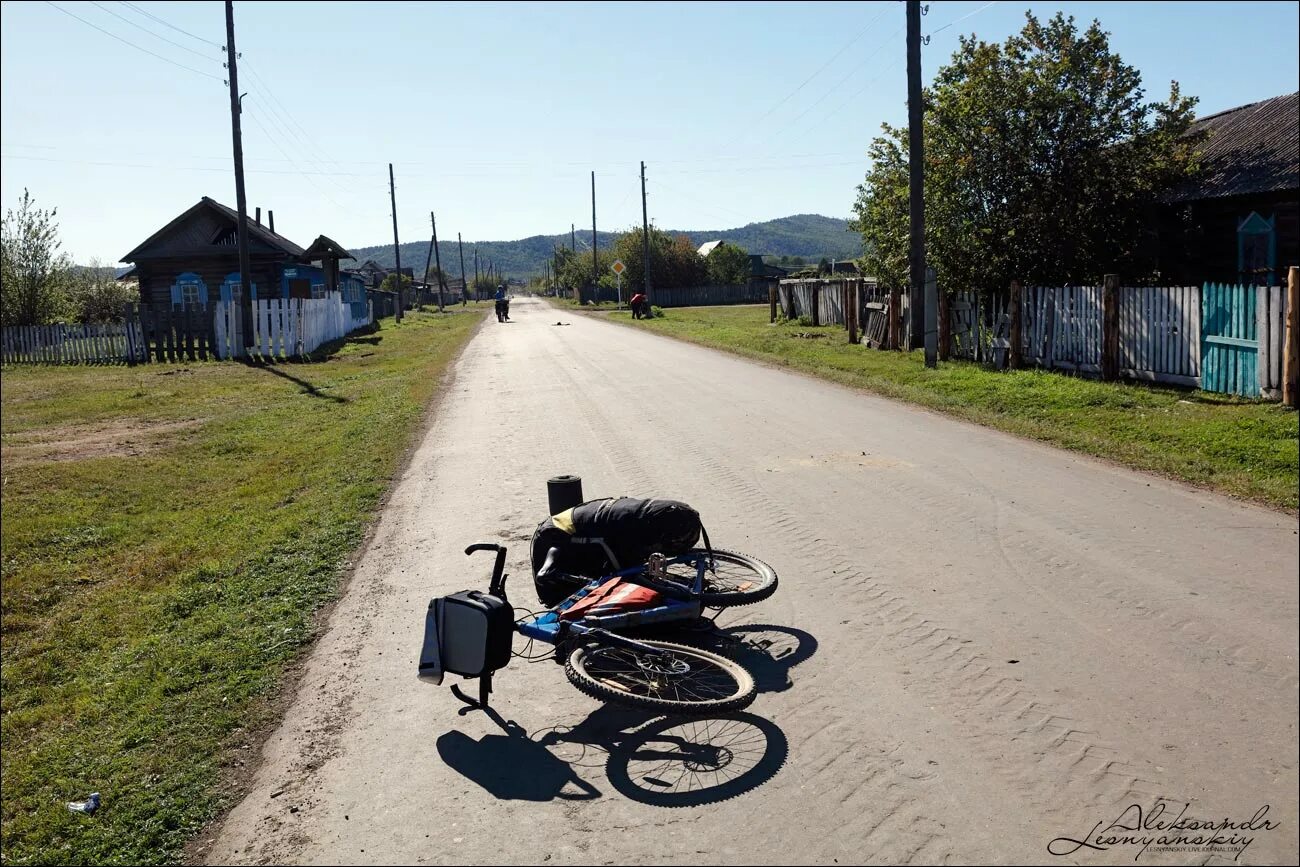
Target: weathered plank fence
{"points": [[754, 292], [1216, 337]]}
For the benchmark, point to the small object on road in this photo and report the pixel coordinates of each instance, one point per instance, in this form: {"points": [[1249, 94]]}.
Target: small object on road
{"points": [[88, 806], [561, 323]]}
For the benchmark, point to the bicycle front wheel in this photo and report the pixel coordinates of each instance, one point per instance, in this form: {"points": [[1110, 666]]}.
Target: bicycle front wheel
{"points": [[676, 678], [734, 579]]}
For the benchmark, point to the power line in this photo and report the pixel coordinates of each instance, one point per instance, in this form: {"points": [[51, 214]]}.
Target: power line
{"points": [[963, 18], [310, 180], [114, 164], [150, 32], [844, 48], [289, 122], [836, 86], [135, 8], [282, 128], [132, 44]]}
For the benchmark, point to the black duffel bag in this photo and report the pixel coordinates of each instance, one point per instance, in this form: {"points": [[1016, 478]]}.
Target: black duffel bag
{"points": [[603, 536]]}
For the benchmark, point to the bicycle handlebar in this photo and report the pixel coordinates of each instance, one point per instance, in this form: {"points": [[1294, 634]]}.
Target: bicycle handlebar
{"points": [[498, 585]]}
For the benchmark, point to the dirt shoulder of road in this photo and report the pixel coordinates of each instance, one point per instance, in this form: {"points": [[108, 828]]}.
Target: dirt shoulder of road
{"points": [[1241, 448]]}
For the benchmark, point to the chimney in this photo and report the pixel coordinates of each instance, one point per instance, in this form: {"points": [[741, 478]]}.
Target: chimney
{"points": [[270, 219], [258, 219]]}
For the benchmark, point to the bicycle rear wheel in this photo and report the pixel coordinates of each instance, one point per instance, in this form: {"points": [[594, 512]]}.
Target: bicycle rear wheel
{"points": [[677, 678], [735, 579]]}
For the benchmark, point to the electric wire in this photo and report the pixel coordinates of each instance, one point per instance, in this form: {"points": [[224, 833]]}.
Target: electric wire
{"points": [[132, 44]]}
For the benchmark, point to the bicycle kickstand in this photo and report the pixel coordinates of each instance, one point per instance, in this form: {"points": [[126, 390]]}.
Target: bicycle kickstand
{"points": [[484, 689]]}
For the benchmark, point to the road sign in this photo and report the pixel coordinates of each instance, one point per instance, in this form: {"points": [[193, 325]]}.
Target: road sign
{"points": [[618, 267]]}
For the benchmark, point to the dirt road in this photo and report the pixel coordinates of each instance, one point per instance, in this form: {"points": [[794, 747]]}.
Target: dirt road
{"points": [[980, 644]]}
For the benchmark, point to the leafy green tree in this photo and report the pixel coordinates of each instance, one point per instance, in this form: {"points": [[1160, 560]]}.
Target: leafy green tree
{"points": [[34, 275], [390, 283], [824, 266], [96, 295], [1042, 157], [727, 265], [674, 262]]}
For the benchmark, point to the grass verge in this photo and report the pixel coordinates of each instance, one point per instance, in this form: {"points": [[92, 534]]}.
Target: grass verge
{"points": [[1245, 448], [169, 532]]}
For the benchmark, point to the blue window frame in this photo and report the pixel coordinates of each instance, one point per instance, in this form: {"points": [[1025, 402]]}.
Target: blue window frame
{"points": [[231, 288], [189, 288], [1257, 250]]}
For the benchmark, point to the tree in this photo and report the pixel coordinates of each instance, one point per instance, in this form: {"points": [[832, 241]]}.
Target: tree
{"points": [[96, 295], [674, 262], [33, 273], [1042, 158], [824, 266], [389, 283], [727, 265]]}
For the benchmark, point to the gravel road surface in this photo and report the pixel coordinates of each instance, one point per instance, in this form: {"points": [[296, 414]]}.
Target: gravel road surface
{"points": [[981, 645]]}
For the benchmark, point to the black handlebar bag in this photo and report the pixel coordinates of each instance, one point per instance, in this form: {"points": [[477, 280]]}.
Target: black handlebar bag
{"points": [[603, 536]]}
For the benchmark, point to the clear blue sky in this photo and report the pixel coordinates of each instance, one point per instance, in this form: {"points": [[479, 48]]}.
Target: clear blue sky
{"points": [[494, 114]]}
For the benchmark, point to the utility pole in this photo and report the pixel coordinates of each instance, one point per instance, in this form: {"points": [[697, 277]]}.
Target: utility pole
{"points": [[573, 238], [595, 266], [427, 259], [437, 258], [464, 287], [241, 201], [397, 250], [645, 237], [922, 309], [476, 273]]}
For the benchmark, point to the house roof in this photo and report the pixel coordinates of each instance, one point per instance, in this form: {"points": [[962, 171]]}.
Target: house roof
{"points": [[255, 230], [1251, 149], [327, 248], [706, 249]]}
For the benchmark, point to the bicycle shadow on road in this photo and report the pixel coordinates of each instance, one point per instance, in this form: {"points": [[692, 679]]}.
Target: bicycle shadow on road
{"points": [[512, 766], [665, 761]]}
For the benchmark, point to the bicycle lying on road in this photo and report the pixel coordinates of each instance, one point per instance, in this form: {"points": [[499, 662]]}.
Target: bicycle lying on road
{"points": [[471, 633]]}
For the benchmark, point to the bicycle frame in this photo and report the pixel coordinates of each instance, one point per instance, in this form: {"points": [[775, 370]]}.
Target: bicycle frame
{"points": [[549, 626]]}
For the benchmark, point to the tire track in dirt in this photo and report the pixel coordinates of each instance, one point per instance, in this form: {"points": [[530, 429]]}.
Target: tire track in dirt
{"points": [[1059, 760]]}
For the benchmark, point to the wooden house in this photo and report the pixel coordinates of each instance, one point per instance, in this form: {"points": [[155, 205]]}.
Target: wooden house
{"points": [[1238, 220], [195, 259]]}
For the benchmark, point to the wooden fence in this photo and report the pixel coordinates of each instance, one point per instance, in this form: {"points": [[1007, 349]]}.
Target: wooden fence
{"points": [[110, 343], [1159, 334], [823, 301], [284, 327], [170, 332], [281, 328], [1215, 337], [705, 296], [1271, 328]]}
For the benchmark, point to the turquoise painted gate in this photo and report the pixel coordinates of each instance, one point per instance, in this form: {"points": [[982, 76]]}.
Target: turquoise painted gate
{"points": [[1229, 342]]}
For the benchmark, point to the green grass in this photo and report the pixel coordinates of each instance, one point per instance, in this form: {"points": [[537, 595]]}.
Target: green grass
{"points": [[151, 602], [1244, 448]]}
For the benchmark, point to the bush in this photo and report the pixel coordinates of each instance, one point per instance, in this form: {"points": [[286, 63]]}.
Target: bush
{"points": [[656, 312]]}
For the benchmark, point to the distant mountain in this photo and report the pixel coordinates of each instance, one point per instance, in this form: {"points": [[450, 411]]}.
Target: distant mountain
{"points": [[811, 236]]}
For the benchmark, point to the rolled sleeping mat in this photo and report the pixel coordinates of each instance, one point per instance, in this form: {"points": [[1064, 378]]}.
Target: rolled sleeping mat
{"points": [[563, 492]]}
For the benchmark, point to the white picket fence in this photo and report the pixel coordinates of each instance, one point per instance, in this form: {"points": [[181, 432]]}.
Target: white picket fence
{"points": [[70, 344], [285, 327]]}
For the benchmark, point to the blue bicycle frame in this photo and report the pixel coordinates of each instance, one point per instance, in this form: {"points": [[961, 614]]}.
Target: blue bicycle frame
{"points": [[549, 626]]}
